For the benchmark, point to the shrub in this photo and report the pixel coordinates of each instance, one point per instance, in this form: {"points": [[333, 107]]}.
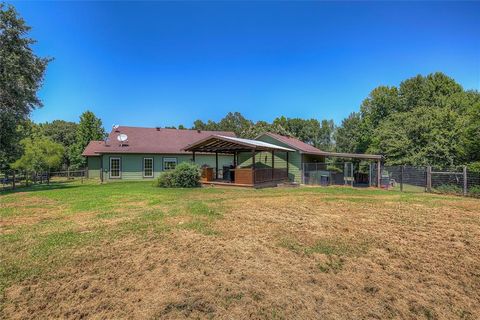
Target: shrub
{"points": [[448, 188], [165, 180], [474, 167], [474, 191], [185, 175]]}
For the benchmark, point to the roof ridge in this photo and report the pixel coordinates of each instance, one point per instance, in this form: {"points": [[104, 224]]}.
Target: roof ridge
{"points": [[163, 128], [299, 148]]}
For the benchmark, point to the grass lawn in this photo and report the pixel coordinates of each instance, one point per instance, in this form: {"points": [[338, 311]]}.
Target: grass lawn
{"points": [[131, 250]]}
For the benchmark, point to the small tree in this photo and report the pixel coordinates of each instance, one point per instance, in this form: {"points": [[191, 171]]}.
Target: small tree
{"points": [[39, 155]]}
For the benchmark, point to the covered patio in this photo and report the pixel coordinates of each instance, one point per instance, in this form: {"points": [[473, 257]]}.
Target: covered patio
{"points": [[244, 174]]}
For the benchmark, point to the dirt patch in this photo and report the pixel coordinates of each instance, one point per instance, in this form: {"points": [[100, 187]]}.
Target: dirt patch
{"points": [[295, 256]]}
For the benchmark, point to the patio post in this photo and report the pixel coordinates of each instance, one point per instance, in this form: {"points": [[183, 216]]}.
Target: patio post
{"points": [[273, 162], [253, 166], [193, 156], [216, 165], [288, 178]]}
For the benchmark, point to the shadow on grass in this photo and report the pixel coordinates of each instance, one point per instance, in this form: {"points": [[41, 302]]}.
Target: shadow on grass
{"points": [[41, 187]]}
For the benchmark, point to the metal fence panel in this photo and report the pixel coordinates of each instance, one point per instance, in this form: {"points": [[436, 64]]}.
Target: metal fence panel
{"points": [[12, 179]]}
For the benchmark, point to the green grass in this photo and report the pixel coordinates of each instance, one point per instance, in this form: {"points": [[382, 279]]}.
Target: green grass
{"points": [[65, 217], [46, 224], [335, 250]]}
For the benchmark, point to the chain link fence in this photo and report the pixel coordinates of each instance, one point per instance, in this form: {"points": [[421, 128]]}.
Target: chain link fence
{"points": [[346, 173], [457, 180]]}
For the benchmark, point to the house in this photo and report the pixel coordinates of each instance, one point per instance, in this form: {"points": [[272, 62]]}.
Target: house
{"points": [[143, 153]]}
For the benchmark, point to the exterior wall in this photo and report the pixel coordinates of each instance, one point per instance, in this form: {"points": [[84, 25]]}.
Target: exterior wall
{"points": [[132, 164], [93, 165], [294, 159], [263, 159]]}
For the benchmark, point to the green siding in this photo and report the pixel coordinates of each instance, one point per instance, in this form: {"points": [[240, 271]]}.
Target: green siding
{"points": [[263, 159], [294, 159], [132, 164], [93, 165]]}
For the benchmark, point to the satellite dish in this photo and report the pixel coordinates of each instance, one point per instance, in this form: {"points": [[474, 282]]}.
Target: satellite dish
{"points": [[122, 137], [115, 126]]}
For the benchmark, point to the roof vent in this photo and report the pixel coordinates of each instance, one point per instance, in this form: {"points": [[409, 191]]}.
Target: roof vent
{"points": [[199, 131], [158, 128]]}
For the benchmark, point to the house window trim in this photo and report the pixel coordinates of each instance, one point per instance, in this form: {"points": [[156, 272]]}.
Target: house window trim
{"points": [[143, 167], [169, 159], [119, 168]]}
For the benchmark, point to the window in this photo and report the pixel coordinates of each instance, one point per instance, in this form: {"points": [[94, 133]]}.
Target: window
{"points": [[115, 166], [169, 163], [148, 167]]}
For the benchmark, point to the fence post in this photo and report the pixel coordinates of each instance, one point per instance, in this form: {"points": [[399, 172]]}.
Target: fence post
{"points": [[402, 168], [370, 174], [429, 178], [13, 181], [465, 191], [303, 172], [352, 174], [379, 173]]}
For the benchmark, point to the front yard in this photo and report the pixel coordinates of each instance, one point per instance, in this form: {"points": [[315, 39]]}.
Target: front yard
{"points": [[130, 250]]}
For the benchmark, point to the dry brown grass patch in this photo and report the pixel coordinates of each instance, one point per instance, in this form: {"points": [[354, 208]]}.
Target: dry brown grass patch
{"points": [[274, 255]]}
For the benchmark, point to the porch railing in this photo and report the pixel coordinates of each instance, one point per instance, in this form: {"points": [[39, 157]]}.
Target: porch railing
{"points": [[262, 175]]}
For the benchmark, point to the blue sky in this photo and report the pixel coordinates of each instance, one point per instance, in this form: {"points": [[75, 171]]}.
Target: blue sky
{"points": [[159, 64]]}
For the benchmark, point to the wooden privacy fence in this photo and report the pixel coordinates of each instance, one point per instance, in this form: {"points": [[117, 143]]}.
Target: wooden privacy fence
{"points": [[12, 179]]}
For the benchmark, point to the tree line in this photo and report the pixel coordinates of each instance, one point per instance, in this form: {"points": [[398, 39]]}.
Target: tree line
{"points": [[426, 120]]}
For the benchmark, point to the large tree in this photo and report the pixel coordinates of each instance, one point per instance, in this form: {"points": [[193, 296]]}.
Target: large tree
{"points": [[62, 132], [426, 120], [311, 131], [350, 136], [90, 128], [21, 76]]}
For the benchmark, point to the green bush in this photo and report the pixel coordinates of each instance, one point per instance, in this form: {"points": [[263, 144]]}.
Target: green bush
{"points": [[474, 191], [165, 180], [185, 175], [474, 167], [448, 188]]}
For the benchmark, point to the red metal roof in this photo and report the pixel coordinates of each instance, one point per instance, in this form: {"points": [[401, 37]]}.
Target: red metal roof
{"points": [[295, 143], [309, 149], [149, 140]]}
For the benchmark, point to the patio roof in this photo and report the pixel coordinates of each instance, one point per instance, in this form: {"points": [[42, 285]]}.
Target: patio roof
{"points": [[225, 144], [348, 155]]}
